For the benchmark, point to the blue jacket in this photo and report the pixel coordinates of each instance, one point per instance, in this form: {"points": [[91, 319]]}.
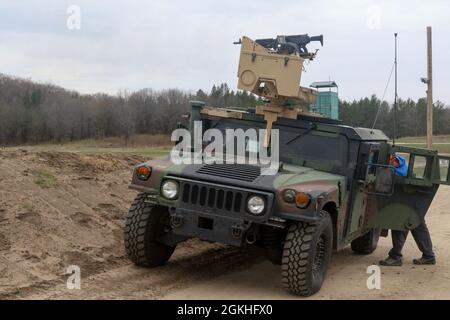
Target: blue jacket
{"points": [[402, 169]]}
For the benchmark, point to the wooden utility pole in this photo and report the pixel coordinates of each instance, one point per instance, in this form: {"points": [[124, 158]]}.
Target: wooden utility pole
{"points": [[395, 92], [429, 90]]}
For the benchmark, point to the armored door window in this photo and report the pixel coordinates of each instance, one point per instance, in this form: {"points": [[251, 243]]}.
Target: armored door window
{"points": [[444, 169], [421, 165], [418, 169]]}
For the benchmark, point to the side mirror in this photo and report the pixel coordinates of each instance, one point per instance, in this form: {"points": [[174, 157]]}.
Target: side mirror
{"points": [[384, 180]]}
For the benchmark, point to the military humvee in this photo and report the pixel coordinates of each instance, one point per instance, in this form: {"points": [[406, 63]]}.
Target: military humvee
{"points": [[335, 185]]}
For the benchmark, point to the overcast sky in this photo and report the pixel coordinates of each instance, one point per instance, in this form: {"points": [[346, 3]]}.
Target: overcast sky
{"points": [[189, 44]]}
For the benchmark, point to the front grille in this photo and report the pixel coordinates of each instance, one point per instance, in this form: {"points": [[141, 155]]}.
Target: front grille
{"points": [[212, 197], [241, 172]]}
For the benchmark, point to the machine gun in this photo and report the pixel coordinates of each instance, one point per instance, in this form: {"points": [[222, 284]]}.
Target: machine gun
{"points": [[272, 68], [291, 44]]}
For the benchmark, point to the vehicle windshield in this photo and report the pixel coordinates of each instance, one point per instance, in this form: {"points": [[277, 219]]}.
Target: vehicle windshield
{"points": [[301, 146]]}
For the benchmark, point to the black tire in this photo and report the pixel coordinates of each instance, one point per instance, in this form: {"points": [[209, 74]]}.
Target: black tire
{"points": [[145, 223], [306, 255], [367, 243]]}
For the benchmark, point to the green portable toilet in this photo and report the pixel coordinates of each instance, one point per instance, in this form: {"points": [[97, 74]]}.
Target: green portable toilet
{"points": [[327, 102]]}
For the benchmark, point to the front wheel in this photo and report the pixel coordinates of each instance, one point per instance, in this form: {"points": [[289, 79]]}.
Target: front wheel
{"points": [[306, 255], [144, 225]]}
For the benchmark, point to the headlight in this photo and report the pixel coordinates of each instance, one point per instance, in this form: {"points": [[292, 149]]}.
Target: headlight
{"points": [[289, 195], [169, 189], [255, 205]]}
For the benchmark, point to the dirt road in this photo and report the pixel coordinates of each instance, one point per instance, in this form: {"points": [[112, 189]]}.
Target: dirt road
{"points": [[62, 209]]}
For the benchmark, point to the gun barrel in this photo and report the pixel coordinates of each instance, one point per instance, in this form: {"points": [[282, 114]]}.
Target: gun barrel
{"points": [[317, 38], [290, 44]]}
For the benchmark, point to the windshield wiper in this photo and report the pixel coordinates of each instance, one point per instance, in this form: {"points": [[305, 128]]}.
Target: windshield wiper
{"points": [[312, 126]]}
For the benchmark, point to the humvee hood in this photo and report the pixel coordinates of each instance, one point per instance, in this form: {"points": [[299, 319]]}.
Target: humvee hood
{"points": [[241, 175]]}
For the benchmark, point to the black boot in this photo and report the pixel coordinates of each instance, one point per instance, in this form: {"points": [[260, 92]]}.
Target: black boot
{"points": [[391, 262], [425, 261]]}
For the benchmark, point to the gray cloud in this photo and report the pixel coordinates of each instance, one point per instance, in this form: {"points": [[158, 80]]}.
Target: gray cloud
{"points": [[188, 44]]}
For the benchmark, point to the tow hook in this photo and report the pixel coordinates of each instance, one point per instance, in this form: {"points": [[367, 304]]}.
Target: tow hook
{"points": [[237, 231], [176, 220], [250, 237]]}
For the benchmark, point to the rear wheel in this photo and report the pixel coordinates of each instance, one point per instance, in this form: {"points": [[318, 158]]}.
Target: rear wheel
{"points": [[306, 255], [367, 243], [144, 225]]}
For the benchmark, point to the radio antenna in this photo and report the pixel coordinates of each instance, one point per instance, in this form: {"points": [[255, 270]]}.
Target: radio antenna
{"points": [[395, 94]]}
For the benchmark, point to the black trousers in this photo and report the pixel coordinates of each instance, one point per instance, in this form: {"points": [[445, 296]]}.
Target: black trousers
{"points": [[420, 234]]}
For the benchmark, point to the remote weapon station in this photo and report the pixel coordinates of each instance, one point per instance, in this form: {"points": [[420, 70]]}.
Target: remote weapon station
{"points": [[335, 185], [271, 68]]}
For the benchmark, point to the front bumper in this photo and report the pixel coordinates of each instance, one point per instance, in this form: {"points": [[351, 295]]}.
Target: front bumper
{"points": [[192, 224], [216, 212]]}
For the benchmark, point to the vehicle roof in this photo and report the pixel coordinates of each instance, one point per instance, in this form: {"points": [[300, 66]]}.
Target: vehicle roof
{"points": [[305, 122], [364, 134], [324, 84]]}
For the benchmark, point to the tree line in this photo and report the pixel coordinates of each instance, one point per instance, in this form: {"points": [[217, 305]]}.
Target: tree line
{"points": [[410, 116], [32, 113]]}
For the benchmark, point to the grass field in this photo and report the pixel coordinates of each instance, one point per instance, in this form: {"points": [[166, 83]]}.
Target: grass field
{"points": [[440, 143], [159, 145], [144, 145], [422, 139]]}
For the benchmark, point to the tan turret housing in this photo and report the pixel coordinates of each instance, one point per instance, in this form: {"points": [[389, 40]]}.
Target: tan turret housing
{"points": [[274, 75]]}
